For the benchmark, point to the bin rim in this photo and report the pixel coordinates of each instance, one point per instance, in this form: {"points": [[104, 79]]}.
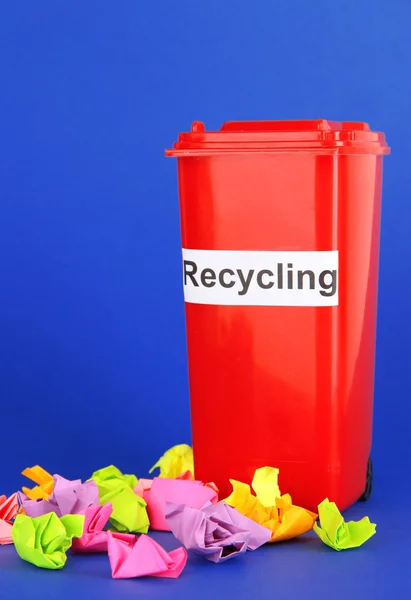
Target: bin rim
{"points": [[312, 136]]}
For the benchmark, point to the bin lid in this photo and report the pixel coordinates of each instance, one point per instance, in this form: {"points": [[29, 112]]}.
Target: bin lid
{"points": [[320, 136]]}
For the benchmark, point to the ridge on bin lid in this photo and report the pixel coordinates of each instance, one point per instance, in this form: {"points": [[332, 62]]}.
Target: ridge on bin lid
{"points": [[320, 135]]}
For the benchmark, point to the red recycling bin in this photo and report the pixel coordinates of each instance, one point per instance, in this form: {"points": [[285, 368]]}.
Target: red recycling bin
{"points": [[280, 231]]}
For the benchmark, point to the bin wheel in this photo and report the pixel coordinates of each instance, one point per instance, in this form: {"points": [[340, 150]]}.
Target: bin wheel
{"points": [[368, 484]]}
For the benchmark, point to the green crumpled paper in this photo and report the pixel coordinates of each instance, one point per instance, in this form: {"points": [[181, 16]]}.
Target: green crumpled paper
{"points": [[338, 534], [44, 541], [129, 510], [175, 461]]}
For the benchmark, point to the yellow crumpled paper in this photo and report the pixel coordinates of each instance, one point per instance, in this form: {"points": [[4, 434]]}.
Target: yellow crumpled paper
{"points": [[176, 461], [44, 481], [268, 507]]}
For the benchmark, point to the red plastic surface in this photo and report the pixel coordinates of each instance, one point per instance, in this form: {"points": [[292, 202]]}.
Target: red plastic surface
{"points": [[277, 136], [289, 387]]}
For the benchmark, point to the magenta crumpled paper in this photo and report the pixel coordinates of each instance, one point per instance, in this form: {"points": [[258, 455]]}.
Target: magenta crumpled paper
{"points": [[158, 491], [68, 497], [142, 557], [216, 532]]}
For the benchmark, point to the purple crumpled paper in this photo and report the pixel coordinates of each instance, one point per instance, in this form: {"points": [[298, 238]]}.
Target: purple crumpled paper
{"points": [[217, 532], [68, 497]]}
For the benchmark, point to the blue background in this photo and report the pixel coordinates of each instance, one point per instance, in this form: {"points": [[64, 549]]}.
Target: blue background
{"points": [[92, 344]]}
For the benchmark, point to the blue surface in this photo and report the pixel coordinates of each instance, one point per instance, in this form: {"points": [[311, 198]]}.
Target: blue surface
{"points": [[301, 568], [92, 354]]}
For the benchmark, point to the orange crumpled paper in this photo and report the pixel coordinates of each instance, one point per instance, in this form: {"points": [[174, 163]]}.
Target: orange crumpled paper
{"points": [[269, 508], [44, 481]]}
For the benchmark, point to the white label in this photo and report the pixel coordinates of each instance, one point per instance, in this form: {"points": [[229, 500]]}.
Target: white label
{"points": [[254, 278]]}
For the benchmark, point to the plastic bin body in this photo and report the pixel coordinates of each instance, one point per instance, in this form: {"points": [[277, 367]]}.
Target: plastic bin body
{"points": [[283, 374]]}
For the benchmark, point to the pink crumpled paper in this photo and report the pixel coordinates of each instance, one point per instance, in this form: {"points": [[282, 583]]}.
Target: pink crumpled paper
{"points": [[142, 557], [95, 538], [216, 532], [182, 490], [68, 497], [9, 507]]}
